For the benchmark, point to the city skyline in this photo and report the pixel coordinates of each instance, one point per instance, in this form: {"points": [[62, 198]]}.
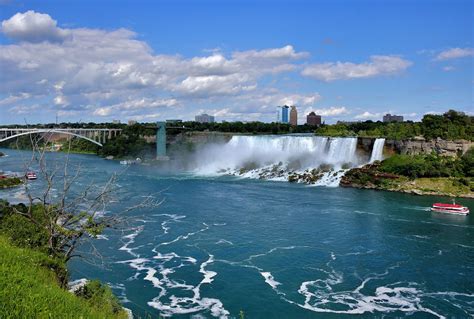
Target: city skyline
{"points": [[151, 61]]}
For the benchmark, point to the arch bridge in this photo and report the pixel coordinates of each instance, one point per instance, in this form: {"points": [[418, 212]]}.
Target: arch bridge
{"points": [[97, 136]]}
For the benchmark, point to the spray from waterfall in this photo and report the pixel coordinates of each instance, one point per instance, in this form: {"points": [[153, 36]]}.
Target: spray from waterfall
{"points": [[377, 150]]}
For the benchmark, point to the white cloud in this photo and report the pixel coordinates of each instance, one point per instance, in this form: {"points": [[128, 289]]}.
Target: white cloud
{"points": [[299, 100], [103, 111], [60, 100], [106, 73], [287, 52], [377, 66], [97, 71], [454, 53], [369, 116], [448, 68], [32, 26], [25, 109], [14, 98], [331, 111], [217, 84]]}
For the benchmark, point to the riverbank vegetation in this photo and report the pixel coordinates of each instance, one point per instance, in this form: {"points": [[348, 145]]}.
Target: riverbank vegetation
{"points": [[9, 181], [34, 279], [131, 143], [419, 174]]}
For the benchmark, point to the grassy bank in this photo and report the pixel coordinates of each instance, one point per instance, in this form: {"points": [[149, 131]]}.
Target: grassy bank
{"points": [[7, 182], [29, 288], [373, 177], [34, 279]]}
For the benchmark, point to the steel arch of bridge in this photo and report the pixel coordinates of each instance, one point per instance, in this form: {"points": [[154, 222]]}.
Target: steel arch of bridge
{"points": [[34, 131]]}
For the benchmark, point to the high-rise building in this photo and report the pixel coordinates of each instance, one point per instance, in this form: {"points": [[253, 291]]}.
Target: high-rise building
{"points": [[283, 114], [313, 119], [204, 118], [293, 116], [132, 122], [387, 118]]}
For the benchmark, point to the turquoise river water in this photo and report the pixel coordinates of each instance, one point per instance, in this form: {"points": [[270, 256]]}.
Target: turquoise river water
{"points": [[219, 245]]}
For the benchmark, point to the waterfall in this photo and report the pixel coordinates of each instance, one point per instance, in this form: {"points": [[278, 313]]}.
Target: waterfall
{"points": [[277, 157], [377, 150]]}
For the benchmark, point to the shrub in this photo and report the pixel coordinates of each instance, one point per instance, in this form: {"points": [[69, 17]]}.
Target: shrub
{"points": [[99, 296], [467, 163], [423, 166], [20, 231]]}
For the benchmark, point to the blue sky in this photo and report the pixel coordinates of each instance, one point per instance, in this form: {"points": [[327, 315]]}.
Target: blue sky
{"points": [[238, 60]]}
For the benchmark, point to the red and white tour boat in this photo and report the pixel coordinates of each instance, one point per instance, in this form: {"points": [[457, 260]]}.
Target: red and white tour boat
{"points": [[450, 208], [31, 176]]}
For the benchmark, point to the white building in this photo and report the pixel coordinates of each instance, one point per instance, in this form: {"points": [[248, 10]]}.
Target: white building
{"points": [[204, 118]]}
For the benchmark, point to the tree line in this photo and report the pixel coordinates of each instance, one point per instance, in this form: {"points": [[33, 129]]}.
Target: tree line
{"points": [[451, 125]]}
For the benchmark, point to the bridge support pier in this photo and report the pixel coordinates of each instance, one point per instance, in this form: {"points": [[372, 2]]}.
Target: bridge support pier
{"points": [[161, 142]]}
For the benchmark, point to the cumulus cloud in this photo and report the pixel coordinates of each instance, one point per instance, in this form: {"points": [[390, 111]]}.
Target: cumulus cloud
{"points": [[32, 26], [287, 52], [103, 111], [85, 72], [331, 111], [217, 84], [377, 66], [299, 99], [60, 100], [454, 53], [133, 107], [369, 116], [100, 71]]}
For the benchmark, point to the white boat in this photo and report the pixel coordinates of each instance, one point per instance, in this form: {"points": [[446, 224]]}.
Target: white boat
{"points": [[450, 208]]}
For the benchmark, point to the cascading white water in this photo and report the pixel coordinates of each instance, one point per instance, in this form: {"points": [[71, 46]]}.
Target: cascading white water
{"points": [[276, 157], [377, 150]]}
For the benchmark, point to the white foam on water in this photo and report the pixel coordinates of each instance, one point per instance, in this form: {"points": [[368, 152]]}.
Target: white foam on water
{"points": [[174, 218], [183, 237], [465, 246], [249, 259], [219, 224], [422, 236], [189, 305], [322, 296], [130, 240], [269, 279], [159, 274], [224, 241], [331, 178]]}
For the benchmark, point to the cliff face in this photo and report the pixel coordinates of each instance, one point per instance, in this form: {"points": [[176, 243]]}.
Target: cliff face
{"points": [[422, 146], [418, 146]]}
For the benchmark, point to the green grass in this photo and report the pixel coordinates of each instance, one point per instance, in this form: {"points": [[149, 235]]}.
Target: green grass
{"points": [[439, 185], [10, 182], [30, 289]]}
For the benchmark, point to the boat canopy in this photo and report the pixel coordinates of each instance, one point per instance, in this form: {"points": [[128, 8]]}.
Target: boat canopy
{"points": [[447, 205]]}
